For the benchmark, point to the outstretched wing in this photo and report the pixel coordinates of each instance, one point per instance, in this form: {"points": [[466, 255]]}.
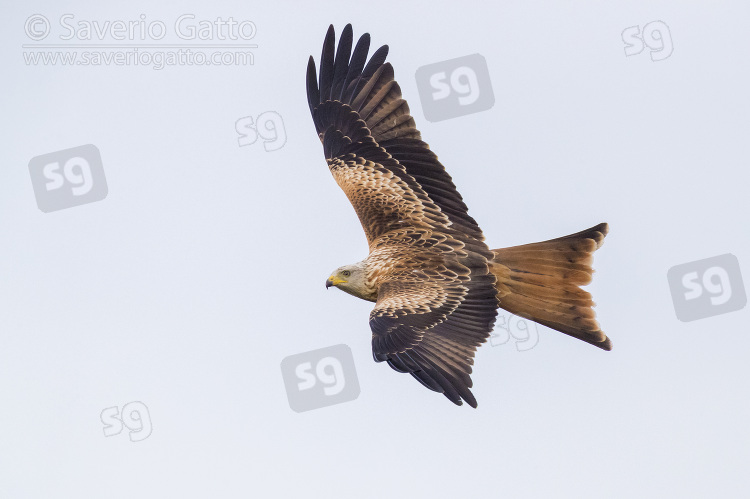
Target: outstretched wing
{"points": [[373, 147], [429, 320]]}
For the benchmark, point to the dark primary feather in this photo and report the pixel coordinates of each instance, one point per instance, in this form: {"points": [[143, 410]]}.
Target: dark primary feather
{"points": [[341, 64], [313, 94], [356, 65], [326, 65]]}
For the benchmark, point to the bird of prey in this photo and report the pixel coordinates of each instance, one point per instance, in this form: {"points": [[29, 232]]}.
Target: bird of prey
{"points": [[435, 282]]}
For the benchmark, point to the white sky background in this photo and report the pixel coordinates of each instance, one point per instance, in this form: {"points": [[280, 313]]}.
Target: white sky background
{"points": [[205, 265]]}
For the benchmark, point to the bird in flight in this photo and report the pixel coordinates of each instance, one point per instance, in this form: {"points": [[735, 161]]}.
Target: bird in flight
{"points": [[435, 282]]}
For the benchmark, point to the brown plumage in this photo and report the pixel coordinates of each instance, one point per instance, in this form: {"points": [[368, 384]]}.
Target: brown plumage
{"points": [[435, 283]]}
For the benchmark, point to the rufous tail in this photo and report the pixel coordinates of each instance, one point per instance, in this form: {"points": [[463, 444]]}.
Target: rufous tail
{"points": [[541, 282]]}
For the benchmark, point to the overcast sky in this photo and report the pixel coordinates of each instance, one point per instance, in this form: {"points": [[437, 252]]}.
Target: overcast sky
{"points": [[181, 290]]}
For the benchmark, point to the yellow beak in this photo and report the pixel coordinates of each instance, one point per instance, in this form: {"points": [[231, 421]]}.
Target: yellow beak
{"points": [[333, 281]]}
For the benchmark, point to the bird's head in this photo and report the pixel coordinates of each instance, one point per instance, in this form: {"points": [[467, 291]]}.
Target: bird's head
{"points": [[352, 279]]}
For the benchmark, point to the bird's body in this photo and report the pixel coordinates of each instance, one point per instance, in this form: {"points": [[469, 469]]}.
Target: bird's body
{"points": [[435, 283]]}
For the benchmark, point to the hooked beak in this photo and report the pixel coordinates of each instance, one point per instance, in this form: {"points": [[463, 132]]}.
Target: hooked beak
{"points": [[332, 281]]}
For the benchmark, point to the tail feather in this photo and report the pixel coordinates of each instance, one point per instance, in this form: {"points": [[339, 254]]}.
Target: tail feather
{"points": [[540, 282]]}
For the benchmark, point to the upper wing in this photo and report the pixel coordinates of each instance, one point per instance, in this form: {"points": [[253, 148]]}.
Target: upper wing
{"points": [[430, 318], [373, 147]]}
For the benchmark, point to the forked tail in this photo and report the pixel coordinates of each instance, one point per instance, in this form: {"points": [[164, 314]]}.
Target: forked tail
{"points": [[540, 282]]}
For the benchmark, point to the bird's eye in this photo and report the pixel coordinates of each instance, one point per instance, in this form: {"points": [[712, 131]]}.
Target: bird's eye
{"points": [[346, 273]]}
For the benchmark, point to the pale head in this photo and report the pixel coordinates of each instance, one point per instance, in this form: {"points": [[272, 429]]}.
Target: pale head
{"points": [[352, 279]]}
